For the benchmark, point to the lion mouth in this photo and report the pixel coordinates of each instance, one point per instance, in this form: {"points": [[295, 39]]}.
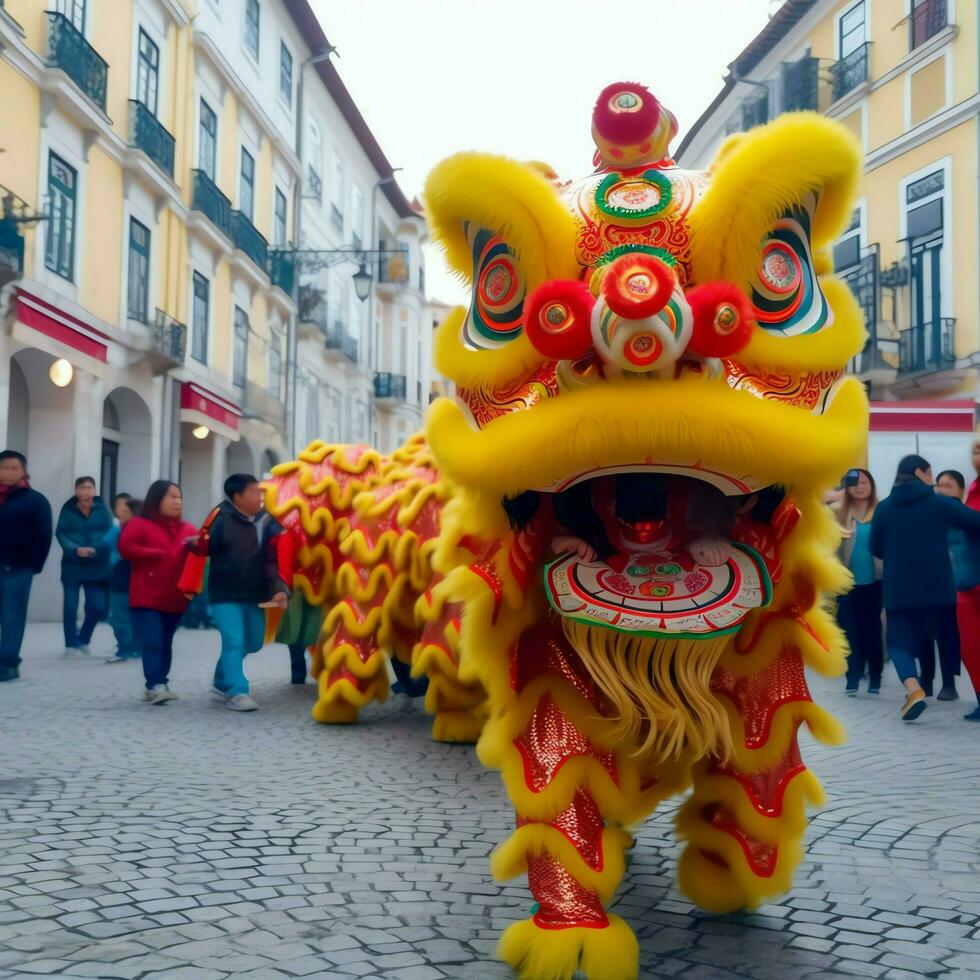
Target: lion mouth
{"points": [[659, 551]]}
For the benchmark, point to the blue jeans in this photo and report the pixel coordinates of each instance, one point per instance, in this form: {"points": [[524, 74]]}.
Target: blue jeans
{"points": [[15, 590], [95, 610], [121, 624], [242, 629], [154, 632]]}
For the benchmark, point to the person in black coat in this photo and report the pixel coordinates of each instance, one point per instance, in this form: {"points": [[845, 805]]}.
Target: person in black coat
{"points": [[909, 533], [25, 540]]}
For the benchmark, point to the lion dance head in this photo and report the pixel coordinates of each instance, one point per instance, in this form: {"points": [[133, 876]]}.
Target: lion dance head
{"points": [[610, 553]]}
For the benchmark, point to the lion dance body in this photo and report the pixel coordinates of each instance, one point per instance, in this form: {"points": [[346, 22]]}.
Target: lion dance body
{"points": [[610, 554]]}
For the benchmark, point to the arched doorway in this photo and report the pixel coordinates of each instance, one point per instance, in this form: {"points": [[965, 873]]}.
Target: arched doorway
{"points": [[269, 460], [127, 444], [196, 461], [239, 458]]}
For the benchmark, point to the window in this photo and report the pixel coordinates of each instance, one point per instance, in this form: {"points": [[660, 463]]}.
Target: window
{"points": [[200, 317], [335, 416], [252, 27], [74, 10], [337, 192], [850, 30], [148, 72], [357, 216], [847, 251], [315, 164], [139, 271], [275, 364], [246, 193], [285, 73], [239, 354], [207, 140], [279, 229], [928, 18], [312, 411], [59, 254]]}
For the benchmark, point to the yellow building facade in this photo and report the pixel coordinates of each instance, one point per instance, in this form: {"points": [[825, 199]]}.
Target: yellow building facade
{"points": [[903, 76], [150, 178]]}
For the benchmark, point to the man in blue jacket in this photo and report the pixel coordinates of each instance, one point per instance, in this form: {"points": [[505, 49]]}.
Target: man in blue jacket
{"points": [[241, 540], [909, 533], [83, 533], [25, 539]]}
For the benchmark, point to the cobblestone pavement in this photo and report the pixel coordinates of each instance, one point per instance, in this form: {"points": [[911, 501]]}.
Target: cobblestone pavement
{"points": [[191, 842]]}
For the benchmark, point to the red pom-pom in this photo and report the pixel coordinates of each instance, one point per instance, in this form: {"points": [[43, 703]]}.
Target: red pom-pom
{"points": [[625, 113], [638, 285], [723, 319], [558, 319]]}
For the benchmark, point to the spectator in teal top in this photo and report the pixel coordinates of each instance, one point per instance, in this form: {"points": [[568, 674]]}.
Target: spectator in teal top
{"points": [[859, 611]]}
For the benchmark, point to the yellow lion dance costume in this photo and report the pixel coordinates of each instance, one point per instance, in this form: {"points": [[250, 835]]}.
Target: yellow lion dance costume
{"points": [[612, 549]]}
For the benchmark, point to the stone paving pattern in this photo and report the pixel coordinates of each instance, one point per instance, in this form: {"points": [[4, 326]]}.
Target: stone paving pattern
{"points": [[194, 843]]}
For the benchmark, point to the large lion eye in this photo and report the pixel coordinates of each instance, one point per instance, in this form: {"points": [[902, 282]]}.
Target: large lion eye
{"points": [[496, 313], [786, 294]]}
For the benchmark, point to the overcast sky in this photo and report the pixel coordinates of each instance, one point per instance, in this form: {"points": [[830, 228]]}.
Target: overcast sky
{"points": [[519, 77]]}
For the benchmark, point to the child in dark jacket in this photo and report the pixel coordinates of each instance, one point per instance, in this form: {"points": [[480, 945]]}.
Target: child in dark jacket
{"points": [[125, 508]]}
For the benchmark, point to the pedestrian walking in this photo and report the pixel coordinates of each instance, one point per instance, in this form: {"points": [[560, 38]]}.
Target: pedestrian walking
{"points": [[909, 532], [83, 526], [125, 509], [156, 545], [249, 570], [25, 540], [964, 547], [859, 611]]}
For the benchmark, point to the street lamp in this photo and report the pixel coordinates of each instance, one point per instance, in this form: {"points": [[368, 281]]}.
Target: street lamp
{"points": [[362, 282]]}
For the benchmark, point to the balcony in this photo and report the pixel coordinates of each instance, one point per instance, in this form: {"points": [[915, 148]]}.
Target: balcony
{"points": [[389, 386], [169, 337], [69, 51], [211, 202], [349, 346], [926, 21], [14, 212], [755, 110], [282, 269], [801, 85], [851, 71], [927, 346], [258, 403], [247, 238], [148, 134]]}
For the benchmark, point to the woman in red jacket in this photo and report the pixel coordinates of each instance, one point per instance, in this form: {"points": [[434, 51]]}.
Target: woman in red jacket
{"points": [[156, 545]]}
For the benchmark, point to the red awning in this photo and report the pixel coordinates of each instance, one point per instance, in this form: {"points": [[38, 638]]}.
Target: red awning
{"points": [[934, 415], [63, 327], [197, 401]]}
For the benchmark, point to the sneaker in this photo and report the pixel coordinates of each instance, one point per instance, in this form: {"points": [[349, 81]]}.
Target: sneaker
{"points": [[914, 705], [117, 659], [974, 715], [84, 648], [874, 690], [160, 694], [948, 693], [241, 702], [217, 693], [71, 651], [851, 692], [12, 673]]}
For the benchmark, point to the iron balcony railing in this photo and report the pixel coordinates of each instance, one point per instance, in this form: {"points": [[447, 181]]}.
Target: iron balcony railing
{"points": [[755, 110], [148, 134], [851, 71], [388, 385], [926, 21], [350, 346], [282, 269], [927, 346], [169, 337], [801, 84], [69, 51], [211, 202], [247, 238], [335, 338]]}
